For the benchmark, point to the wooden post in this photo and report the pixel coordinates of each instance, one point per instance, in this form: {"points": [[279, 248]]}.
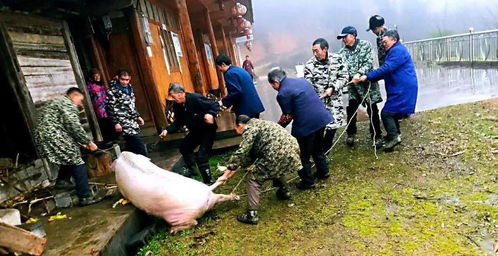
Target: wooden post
{"points": [[99, 60], [214, 47], [225, 43], [232, 54], [193, 59], [80, 80], [145, 69], [16, 80]]}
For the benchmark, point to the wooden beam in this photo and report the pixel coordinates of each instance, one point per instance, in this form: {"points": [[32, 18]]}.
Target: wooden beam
{"points": [[225, 43], [188, 35], [145, 64], [80, 80], [99, 59], [20, 240], [214, 47], [16, 81]]}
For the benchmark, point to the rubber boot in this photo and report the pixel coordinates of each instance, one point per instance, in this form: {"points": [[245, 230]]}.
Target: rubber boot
{"points": [[190, 166], [249, 217]]}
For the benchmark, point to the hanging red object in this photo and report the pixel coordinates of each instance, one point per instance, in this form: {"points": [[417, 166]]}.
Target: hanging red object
{"points": [[245, 24], [239, 10]]}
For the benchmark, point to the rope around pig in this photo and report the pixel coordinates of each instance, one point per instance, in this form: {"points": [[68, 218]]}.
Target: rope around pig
{"points": [[270, 188]]}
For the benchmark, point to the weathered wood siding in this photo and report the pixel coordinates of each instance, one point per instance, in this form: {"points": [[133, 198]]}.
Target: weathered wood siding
{"points": [[43, 58]]}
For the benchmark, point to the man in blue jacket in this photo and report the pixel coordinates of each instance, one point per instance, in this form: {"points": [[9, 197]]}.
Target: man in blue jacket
{"points": [[242, 94], [400, 79], [300, 104]]}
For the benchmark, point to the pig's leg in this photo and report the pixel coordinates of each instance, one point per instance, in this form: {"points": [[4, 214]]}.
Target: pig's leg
{"points": [[182, 226], [218, 198]]}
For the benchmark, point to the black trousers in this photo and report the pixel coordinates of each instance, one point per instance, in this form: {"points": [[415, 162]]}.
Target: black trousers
{"points": [[107, 129], [80, 175], [204, 138], [374, 120], [391, 123], [135, 144], [328, 139], [312, 146]]}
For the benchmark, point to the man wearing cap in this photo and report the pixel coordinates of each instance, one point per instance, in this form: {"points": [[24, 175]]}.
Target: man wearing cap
{"points": [[376, 24], [358, 57], [400, 78], [328, 74]]}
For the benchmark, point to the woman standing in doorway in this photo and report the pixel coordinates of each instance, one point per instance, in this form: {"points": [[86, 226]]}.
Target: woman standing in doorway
{"points": [[98, 92]]}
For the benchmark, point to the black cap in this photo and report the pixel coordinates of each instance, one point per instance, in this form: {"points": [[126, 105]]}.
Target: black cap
{"points": [[346, 31], [375, 21]]}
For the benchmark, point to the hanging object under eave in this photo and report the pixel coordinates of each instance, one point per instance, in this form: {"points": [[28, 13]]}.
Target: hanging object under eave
{"points": [[248, 45], [239, 10]]}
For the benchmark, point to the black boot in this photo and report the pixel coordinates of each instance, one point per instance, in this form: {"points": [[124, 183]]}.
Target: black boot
{"points": [[190, 169], [283, 193], [206, 176], [249, 217]]}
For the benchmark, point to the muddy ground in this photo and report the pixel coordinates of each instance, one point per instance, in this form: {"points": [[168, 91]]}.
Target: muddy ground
{"points": [[437, 194]]}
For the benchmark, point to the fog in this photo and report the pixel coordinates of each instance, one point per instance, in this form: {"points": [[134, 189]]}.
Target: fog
{"points": [[285, 29]]}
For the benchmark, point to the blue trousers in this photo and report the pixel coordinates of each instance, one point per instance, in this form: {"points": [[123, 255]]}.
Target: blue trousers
{"points": [[80, 175]]}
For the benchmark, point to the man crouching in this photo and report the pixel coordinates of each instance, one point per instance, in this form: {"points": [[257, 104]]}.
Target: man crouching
{"points": [[275, 153]]}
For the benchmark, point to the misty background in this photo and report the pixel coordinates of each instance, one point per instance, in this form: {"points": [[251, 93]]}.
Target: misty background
{"points": [[285, 29]]}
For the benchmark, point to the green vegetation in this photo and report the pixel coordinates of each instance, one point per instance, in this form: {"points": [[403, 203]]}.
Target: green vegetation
{"points": [[437, 194]]}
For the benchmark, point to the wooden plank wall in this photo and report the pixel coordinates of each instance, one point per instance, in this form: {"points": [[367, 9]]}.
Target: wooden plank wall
{"points": [[41, 52], [43, 59]]}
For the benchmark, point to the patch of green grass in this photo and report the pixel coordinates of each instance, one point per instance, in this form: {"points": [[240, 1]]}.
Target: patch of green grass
{"points": [[422, 199]]}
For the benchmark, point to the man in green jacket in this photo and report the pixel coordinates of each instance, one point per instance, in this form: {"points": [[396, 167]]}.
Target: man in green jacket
{"points": [[275, 154], [358, 56], [59, 136]]}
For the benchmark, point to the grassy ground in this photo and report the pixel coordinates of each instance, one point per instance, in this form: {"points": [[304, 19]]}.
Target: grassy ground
{"points": [[437, 194]]}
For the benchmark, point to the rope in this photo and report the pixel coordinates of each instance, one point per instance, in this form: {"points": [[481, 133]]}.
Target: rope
{"points": [[270, 188]]}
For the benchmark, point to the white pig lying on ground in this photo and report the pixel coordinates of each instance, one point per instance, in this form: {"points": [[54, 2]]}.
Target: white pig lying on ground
{"points": [[179, 200]]}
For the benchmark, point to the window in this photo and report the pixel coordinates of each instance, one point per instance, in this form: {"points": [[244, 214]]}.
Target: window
{"points": [[169, 52]]}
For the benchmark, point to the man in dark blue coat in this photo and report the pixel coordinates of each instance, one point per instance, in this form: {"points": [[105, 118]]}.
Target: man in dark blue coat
{"points": [[242, 94], [400, 79], [300, 104]]}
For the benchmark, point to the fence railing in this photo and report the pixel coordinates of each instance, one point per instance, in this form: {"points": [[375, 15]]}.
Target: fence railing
{"points": [[469, 47]]}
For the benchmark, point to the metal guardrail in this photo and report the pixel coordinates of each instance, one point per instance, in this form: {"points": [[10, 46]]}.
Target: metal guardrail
{"points": [[469, 47]]}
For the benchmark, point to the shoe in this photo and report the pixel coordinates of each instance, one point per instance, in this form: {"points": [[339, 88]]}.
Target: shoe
{"points": [[379, 143], [350, 140], [283, 193], [304, 186], [322, 176], [249, 217], [390, 144], [63, 184], [206, 177], [90, 200]]}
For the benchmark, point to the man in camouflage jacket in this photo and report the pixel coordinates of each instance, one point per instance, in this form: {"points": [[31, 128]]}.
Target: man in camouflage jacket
{"points": [[275, 154], [120, 103], [376, 25], [59, 136], [328, 74], [358, 56]]}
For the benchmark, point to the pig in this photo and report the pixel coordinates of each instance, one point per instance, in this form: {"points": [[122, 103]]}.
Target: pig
{"points": [[177, 199]]}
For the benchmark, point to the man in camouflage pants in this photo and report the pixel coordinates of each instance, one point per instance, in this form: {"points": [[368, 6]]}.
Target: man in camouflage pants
{"points": [[328, 74], [123, 112], [59, 136], [274, 152], [358, 56]]}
